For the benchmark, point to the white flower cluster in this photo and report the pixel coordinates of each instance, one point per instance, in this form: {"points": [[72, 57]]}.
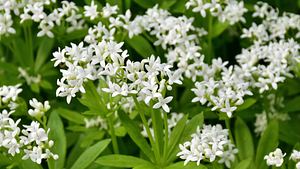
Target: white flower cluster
{"points": [[222, 88], [36, 10], [271, 112], [175, 34], [259, 67], [68, 14], [172, 121], [273, 26], [231, 11], [210, 143], [295, 156], [268, 65], [275, 158], [95, 122], [103, 57], [39, 108], [261, 123], [91, 11], [9, 95], [29, 79], [32, 140], [107, 59]]}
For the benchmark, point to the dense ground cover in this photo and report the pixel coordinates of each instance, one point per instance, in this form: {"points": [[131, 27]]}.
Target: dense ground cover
{"points": [[149, 84]]}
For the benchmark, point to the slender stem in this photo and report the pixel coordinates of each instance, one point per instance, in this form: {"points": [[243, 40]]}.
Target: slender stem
{"points": [[166, 135], [210, 32], [227, 123], [145, 123], [156, 135], [113, 135], [30, 41]]}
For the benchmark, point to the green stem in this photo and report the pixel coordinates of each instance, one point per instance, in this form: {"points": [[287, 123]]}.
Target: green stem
{"points": [[113, 135], [145, 123], [166, 136], [154, 120], [210, 51], [227, 123], [30, 41]]}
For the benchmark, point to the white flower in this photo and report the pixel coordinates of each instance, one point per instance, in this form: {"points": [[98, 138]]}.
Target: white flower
{"points": [[295, 156], [59, 57], [34, 133], [210, 143], [6, 23], [260, 122], [39, 108], [228, 109], [95, 122], [9, 93], [91, 11], [108, 10], [233, 12], [162, 102], [36, 154], [298, 165], [275, 158]]}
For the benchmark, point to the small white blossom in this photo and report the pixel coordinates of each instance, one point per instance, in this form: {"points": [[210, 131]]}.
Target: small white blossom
{"points": [[108, 10], [39, 108], [91, 11], [162, 102], [295, 156], [209, 143], [275, 158]]}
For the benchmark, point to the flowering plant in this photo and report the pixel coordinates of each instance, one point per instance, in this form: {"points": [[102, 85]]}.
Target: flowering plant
{"points": [[149, 84]]}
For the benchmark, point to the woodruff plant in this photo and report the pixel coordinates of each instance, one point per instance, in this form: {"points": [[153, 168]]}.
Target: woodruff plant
{"points": [[133, 74]]}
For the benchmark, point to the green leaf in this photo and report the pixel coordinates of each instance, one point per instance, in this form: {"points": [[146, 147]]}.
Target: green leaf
{"points": [[166, 4], [76, 34], [289, 130], [191, 165], [44, 50], [292, 105], [179, 6], [123, 161], [57, 134], [267, 143], [146, 166], [243, 139], [218, 28], [89, 155], [92, 99], [71, 115], [26, 164], [248, 103], [145, 4], [91, 136], [127, 4], [189, 129], [157, 124], [46, 85], [35, 88], [176, 134], [135, 134], [244, 164], [141, 45]]}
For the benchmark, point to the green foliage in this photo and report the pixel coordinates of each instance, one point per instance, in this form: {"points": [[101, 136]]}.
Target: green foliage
{"points": [[243, 139], [267, 143], [135, 134], [121, 161], [90, 154], [57, 133], [141, 46]]}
